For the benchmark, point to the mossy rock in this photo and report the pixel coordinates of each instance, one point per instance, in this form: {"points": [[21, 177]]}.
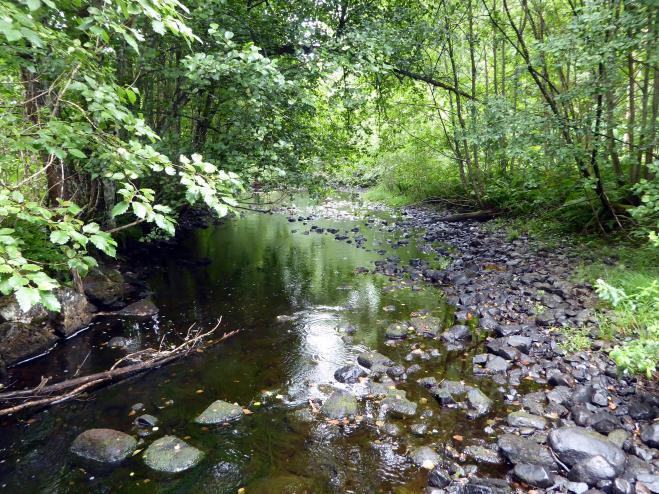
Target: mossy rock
{"points": [[170, 454], [220, 412]]}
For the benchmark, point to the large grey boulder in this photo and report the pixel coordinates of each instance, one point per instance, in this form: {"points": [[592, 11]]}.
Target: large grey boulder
{"points": [[170, 454], [104, 445], [575, 444], [20, 341], [592, 470], [518, 449], [75, 314], [534, 475], [340, 404], [220, 412], [457, 336]]}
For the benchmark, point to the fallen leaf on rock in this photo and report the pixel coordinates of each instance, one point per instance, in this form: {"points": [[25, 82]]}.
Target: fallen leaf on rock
{"points": [[137, 451], [247, 411], [458, 438]]}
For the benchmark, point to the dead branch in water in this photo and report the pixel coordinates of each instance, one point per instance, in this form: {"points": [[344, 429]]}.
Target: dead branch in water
{"points": [[485, 214], [44, 395]]}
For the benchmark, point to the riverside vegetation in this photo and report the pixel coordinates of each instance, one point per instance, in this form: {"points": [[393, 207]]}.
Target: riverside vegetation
{"points": [[126, 124]]}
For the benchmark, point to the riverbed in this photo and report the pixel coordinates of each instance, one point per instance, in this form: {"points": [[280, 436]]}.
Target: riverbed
{"points": [[308, 288]]}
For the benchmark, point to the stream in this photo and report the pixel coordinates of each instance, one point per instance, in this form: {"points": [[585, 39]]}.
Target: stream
{"points": [[294, 292]]}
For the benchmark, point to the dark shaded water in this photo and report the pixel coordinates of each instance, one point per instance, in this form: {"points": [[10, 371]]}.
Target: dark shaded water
{"points": [[261, 266]]}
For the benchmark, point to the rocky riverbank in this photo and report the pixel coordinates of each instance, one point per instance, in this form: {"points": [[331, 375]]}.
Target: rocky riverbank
{"points": [[478, 397], [584, 428]]}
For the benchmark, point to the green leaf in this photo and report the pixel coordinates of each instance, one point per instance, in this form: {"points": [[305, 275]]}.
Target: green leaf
{"points": [[50, 302], [139, 209], [59, 237], [33, 4], [119, 209], [27, 296]]}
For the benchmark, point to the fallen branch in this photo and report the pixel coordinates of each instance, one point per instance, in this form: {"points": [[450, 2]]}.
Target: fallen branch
{"points": [[484, 214], [150, 358]]}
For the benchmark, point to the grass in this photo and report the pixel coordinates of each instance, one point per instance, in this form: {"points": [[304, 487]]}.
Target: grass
{"points": [[626, 277], [574, 339]]}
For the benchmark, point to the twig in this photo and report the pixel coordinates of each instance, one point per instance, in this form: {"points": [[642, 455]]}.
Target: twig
{"points": [[49, 394]]}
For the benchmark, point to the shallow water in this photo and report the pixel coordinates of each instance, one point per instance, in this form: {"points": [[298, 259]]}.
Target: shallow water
{"points": [[248, 271]]}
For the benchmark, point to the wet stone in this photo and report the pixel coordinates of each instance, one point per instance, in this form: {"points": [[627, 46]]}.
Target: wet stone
{"points": [[439, 478], [479, 403], [425, 457], [220, 412], [399, 407], [650, 435], [574, 444], [481, 454], [458, 334], [370, 358], [104, 445], [534, 475], [396, 331], [443, 396], [146, 420], [171, 455], [349, 374], [591, 470], [427, 326], [519, 449], [523, 419], [340, 404]]}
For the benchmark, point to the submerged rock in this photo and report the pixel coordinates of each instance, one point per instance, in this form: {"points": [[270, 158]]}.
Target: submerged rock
{"points": [[396, 331], [141, 308], [427, 326], [425, 457], [104, 445], [220, 412], [171, 455], [340, 404], [399, 407]]}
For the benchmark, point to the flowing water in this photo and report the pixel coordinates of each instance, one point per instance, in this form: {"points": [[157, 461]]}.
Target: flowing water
{"points": [[248, 271]]}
